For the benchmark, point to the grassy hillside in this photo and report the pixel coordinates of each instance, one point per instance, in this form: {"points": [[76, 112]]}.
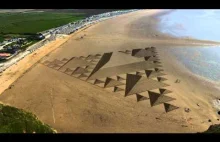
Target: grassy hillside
{"points": [[213, 129], [13, 120], [1, 38], [33, 22]]}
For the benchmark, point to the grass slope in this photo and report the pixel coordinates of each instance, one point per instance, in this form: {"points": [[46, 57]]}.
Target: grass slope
{"points": [[1, 38], [13, 120], [213, 129]]}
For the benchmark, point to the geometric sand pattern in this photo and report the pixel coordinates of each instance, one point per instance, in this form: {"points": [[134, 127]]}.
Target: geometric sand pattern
{"points": [[132, 78], [169, 107], [145, 84], [156, 99], [141, 98]]}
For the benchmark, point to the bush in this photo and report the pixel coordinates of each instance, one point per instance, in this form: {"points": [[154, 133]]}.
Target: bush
{"points": [[213, 129], [13, 120]]}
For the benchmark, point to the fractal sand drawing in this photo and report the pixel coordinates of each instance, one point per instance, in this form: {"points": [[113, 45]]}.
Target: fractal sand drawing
{"points": [[109, 71], [142, 78]]}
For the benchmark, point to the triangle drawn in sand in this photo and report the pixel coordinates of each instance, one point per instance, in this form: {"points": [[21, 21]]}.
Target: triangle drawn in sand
{"points": [[158, 69], [169, 107], [156, 99], [161, 79], [80, 70], [68, 71], [120, 78], [117, 89], [111, 82], [97, 81], [164, 91], [130, 82], [140, 73], [140, 97], [83, 75]]}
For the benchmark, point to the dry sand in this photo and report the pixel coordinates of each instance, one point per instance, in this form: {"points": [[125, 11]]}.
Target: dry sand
{"points": [[72, 105]]}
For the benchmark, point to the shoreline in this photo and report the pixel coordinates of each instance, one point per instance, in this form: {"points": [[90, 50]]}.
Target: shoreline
{"points": [[154, 32], [165, 12], [204, 43], [206, 79], [198, 77], [177, 35]]}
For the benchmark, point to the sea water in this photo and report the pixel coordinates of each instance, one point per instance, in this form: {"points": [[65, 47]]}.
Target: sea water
{"points": [[204, 61], [199, 24]]}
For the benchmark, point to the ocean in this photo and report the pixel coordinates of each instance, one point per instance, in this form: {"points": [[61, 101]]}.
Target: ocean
{"points": [[199, 24]]}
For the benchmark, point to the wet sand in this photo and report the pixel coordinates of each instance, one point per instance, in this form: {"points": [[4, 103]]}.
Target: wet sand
{"points": [[72, 105]]}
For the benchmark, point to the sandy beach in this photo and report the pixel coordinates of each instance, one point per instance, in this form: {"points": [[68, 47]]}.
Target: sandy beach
{"points": [[69, 104]]}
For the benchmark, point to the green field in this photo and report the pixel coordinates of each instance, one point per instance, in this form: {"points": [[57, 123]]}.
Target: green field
{"points": [[13, 120], [1, 38], [21, 23]]}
